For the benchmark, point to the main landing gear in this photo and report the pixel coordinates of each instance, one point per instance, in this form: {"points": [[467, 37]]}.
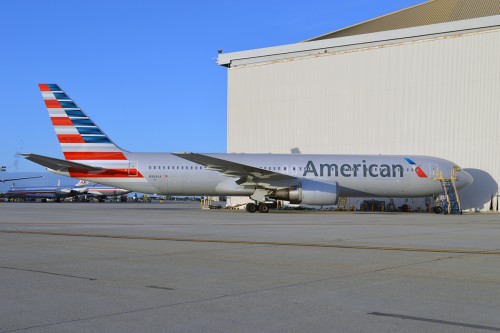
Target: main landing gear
{"points": [[259, 196], [252, 208]]}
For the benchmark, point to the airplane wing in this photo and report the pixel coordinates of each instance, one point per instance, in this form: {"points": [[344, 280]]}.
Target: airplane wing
{"points": [[12, 179], [249, 175], [57, 164]]}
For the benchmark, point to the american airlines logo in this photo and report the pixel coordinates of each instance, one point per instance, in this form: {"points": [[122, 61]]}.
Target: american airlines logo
{"points": [[354, 170]]}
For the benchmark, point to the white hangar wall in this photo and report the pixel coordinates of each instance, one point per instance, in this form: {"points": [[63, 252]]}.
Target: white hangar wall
{"points": [[437, 96]]}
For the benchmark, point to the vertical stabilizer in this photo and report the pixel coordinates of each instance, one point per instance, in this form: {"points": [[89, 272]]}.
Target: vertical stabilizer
{"points": [[82, 183], [83, 142], [80, 138]]}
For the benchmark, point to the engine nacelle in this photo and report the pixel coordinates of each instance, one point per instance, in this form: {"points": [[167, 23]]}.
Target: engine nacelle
{"points": [[310, 192], [71, 191]]}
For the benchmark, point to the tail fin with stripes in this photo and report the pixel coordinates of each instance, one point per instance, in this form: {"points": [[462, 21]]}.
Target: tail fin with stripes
{"points": [[80, 138]]}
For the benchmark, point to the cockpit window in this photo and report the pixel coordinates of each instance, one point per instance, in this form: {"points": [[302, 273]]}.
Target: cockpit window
{"points": [[457, 168]]}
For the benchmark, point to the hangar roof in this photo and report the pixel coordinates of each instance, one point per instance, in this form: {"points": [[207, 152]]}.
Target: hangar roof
{"points": [[375, 39], [431, 12]]}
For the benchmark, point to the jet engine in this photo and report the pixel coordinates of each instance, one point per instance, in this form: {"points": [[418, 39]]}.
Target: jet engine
{"points": [[71, 191], [310, 192]]}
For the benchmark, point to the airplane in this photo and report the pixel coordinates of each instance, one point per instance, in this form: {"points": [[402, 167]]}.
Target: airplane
{"points": [[46, 192], [101, 192], [90, 154]]}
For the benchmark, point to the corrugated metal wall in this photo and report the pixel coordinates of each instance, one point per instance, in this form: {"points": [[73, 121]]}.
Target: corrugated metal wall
{"points": [[438, 97]]}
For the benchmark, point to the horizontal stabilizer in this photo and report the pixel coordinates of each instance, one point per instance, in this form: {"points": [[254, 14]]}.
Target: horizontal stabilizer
{"points": [[23, 178], [57, 164]]}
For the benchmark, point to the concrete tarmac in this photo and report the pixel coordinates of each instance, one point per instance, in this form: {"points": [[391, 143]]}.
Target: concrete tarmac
{"points": [[171, 267]]}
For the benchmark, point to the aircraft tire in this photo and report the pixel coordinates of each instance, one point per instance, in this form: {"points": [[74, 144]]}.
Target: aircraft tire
{"points": [[263, 208], [251, 207]]}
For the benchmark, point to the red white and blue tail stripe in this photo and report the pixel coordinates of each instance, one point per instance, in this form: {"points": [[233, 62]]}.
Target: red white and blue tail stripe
{"points": [[81, 140]]}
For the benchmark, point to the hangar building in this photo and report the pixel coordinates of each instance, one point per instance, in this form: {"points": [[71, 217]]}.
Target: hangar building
{"points": [[421, 81]]}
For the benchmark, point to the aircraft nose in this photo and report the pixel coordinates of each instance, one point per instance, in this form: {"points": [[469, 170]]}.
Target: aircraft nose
{"points": [[464, 179]]}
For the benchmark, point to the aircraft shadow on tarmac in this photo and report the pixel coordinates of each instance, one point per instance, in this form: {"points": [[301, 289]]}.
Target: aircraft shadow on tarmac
{"points": [[480, 192]]}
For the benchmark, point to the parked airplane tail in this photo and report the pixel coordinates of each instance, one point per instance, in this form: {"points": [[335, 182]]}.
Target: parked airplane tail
{"points": [[80, 138], [89, 153], [82, 183]]}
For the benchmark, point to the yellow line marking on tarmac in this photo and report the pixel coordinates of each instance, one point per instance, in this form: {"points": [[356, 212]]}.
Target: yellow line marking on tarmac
{"points": [[229, 241]]}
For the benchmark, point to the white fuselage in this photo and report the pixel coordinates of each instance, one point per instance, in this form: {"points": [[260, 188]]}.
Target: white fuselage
{"points": [[356, 175]]}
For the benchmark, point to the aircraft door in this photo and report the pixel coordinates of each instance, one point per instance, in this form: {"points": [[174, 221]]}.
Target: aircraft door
{"points": [[132, 168], [433, 170]]}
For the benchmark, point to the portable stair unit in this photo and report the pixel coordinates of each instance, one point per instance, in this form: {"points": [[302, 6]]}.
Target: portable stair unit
{"points": [[343, 203], [451, 205]]}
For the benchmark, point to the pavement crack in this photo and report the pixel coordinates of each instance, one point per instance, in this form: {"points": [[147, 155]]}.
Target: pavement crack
{"points": [[250, 242], [436, 321], [50, 273]]}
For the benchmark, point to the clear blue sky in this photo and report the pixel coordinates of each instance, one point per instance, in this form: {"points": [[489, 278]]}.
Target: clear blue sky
{"points": [[145, 71]]}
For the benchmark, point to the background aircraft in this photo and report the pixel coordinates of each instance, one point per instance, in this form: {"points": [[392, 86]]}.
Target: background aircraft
{"points": [[303, 179], [100, 191], [45, 192]]}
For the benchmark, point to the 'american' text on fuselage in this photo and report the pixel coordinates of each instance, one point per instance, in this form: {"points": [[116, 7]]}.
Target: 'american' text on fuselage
{"points": [[354, 170]]}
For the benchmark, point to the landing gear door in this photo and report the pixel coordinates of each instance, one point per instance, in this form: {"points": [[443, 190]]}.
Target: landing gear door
{"points": [[132, 168]]}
